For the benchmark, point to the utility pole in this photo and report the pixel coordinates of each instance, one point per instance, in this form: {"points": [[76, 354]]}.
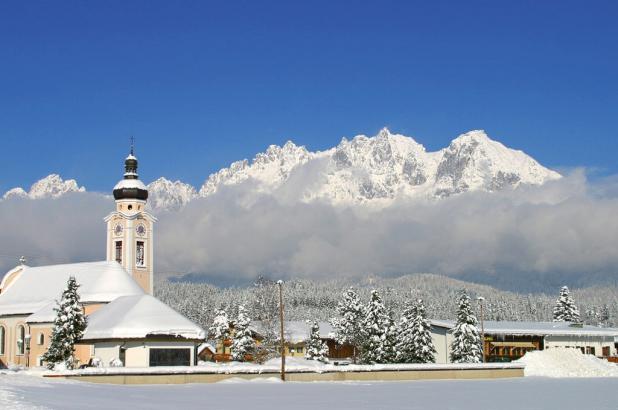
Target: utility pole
{"points": [[481, 300], [281, 336]]}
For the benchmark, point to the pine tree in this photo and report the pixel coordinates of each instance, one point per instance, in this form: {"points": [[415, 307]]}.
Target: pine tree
{"points": [[565, 309], [377, 331], [69, 327], [316, 348], [405, 335], [348, 327], [242, 343], [220, 328], [414, 342], [605, 317], [466, 345], [424, 350]]}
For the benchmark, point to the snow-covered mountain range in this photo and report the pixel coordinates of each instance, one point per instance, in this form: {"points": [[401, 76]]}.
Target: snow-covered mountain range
{"points": [[52, 186], [363, 170]]}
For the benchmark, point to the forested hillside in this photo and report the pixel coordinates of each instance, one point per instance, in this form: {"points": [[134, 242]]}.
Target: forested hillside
{"points": [[316, 300]]}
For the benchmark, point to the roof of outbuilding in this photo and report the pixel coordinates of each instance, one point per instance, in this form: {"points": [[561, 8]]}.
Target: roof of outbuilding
{"points": [[37, 287], [536, 328], [139, 317]]}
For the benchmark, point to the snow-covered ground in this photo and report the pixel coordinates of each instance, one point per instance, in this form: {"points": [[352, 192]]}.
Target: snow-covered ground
{"points": [[293, 364], [22, 391], [576, 381]]}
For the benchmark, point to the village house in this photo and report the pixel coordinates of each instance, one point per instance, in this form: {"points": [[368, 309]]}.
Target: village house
{"points": [[126, 324], [507, 341]]}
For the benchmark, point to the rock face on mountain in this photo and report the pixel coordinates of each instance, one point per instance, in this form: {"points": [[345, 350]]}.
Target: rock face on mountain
{"points": [[52, 186], [168, 195], [382, 168], [364, 170]]}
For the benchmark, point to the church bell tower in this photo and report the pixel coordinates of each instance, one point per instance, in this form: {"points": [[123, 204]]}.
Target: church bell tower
{"points": [[130, 227]]}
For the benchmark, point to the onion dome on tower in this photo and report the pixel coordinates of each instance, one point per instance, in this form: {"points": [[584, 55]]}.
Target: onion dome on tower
{"points": [[130, 187]]}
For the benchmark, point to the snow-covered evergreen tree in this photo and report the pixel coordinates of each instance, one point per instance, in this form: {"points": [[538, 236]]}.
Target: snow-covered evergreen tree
{"points": [[466, 346], [69, 327], [405, 335], [377, 331], [316, 348], [414, 342], [565, 309], [242, 343], [220, 328], [424, 350], [348, 326], [604, 319]]}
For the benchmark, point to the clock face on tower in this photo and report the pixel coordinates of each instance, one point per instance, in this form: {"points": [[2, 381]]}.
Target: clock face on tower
{"points": [[141, 230], [118, 230]]}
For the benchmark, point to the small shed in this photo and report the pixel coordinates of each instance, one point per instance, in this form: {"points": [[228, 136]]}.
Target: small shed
{"points": [[142, 331]]}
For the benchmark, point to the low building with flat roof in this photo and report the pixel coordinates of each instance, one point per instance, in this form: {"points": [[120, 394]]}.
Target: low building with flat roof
{"points": [[506, 341]]}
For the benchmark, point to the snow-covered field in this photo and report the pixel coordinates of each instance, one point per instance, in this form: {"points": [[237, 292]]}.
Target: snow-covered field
{"points": [[20, 391], [572, 381]]}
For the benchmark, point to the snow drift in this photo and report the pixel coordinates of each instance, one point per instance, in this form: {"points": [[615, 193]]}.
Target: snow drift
{"points": [[566, 363]]}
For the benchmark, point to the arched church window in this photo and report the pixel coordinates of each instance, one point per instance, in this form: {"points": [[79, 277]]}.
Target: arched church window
{"points": [[21, 339], [41, 339], [2, 337]]}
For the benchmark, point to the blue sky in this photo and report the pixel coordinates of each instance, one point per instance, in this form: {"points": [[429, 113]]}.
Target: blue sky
{"points": [[201, 84]]}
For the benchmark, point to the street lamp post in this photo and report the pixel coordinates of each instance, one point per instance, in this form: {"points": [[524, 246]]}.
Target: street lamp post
{"points": [[281, 336], [481, 299]]}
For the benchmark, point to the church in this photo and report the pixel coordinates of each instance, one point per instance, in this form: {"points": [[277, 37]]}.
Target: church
{"points": [[127, 325]]}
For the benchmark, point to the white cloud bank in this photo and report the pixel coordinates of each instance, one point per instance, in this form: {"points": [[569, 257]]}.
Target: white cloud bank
{"points": [[565, 231]]}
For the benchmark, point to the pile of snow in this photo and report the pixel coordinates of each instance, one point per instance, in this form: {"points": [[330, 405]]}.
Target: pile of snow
{"points": [[566, 363]]}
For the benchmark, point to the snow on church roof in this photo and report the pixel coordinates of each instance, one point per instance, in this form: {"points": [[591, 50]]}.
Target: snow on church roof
{"points": [[37, 287], [139, 317], [130, 183]]}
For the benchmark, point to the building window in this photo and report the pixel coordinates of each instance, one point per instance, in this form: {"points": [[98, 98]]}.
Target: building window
{"points": [[21, 339], [2, 336], [139, 253], [170, 357], [41, 339], [119, 251]]}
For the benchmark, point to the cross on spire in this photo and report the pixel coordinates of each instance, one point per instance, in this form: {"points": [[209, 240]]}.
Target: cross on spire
{"points": [[132, 144]]}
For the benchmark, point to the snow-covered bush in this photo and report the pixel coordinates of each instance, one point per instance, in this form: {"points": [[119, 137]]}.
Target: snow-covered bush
{"points": [[116, 362]]}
